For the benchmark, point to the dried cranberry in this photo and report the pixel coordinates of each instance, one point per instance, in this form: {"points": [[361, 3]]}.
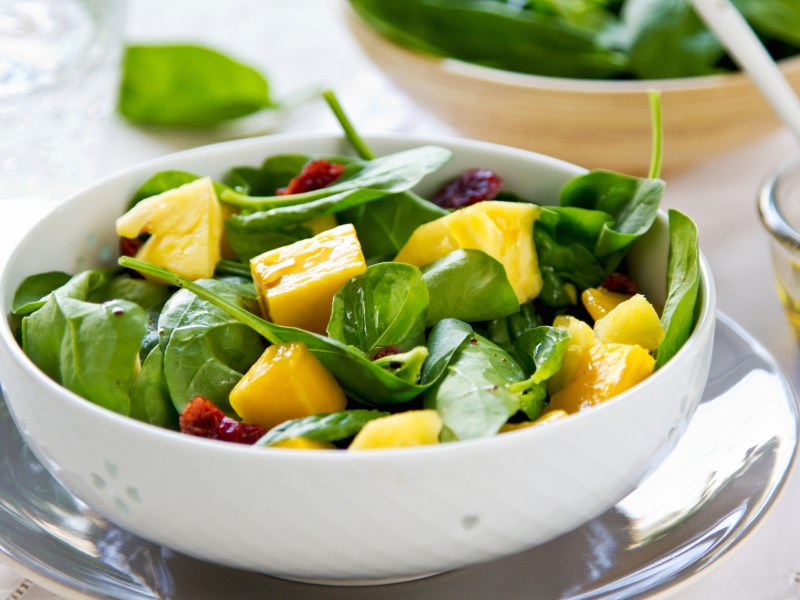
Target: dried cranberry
{"points": [[386, 351], [617, 282], [202, 418], [471, 187], [129, 247], [316, 174]]}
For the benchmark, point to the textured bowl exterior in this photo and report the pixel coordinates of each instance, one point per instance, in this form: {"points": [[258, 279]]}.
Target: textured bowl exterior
{"points": [[593, 123], [336, 516]]}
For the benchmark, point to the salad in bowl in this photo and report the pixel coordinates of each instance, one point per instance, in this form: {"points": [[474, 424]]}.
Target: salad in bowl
{"points": [[442, 349]]}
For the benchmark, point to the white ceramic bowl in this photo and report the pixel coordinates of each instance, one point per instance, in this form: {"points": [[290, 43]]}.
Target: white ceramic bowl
{"points": [[336, 516]]}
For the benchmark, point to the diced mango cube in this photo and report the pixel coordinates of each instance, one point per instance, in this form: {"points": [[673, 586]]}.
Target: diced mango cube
{"points": [[400, 430], [286, 382], [581, 338], [185, 227], [303, 443], [598, 302], [503, 230], [296, 283], [610, 369], [633, 321]]}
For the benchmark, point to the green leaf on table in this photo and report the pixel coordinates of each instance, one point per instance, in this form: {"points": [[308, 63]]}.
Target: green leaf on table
{"points": [[468, 285], [206, 351], [188, 86], [385, 306], [683, 286], [88, 346], [331, 427]]}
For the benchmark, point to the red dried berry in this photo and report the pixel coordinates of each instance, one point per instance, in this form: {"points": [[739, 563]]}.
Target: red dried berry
{"points": [[471, 187], [129, 247], [617, 282], [316, 174], [386, 351], [202, 418]]}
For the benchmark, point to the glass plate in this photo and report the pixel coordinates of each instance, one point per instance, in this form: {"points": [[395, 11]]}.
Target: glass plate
{"points": [[715, 486]]}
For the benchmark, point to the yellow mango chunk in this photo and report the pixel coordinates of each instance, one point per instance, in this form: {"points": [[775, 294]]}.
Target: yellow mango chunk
{"points": [[296, 283], [185, 227], [610, 369], [400, 430], [581, 338], [286, 382], [503, 230], [303, 443], [598, 302], [548, 417], [633, 321]]}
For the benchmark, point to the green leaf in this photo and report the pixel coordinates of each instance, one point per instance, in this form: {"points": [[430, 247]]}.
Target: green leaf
{"points": [[188, 86], [150, 400], [33, 292], [331, 427], [631, 201], [445, 339], [88, 347], [382, 176], [468, 285], [475, 397], [779, 19], [406, 365], [385, 306], [361, 378], [275, 172], [206, 351], [542, 351], [497, 34], [683, 286], [668, 39]]}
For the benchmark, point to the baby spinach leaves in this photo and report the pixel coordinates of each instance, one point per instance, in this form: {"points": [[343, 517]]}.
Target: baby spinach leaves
{"points": [[34, 291], [480, 390], [386, 306], [683, 286], [87, 346], [150, 399], [331, 427], [188, 86], [468, 285], [205, 350]]}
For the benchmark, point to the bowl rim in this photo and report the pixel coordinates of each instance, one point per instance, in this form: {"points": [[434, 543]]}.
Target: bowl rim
{"points": [[532, 81], [705, 319]]}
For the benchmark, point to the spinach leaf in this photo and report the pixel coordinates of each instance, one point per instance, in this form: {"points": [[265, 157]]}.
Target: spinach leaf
{"points": [[233, 268], [495, 34], [779, 19], [150, 400], [206, 351], [88, 347], [406, 365], [385, 306], [542, 351], [482, 387], [632, 202], [445, 338], [386, 224], [276, 172], [668, 39], [331, 427], [150, 295], [361, 378], [382, 176], [468, 285], [33, 292], [188, 86], [506, 331], [683, 286], [251, 235]]}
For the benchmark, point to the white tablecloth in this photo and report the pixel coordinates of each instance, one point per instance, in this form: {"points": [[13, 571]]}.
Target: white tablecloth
{"points": [[296, 50]]}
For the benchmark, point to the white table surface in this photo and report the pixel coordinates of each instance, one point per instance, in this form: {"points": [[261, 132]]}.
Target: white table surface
{"points": [[304, 43]]}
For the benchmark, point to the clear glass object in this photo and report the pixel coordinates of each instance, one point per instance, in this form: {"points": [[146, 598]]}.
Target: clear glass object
{"points": [[779, 207], [59, 73]]}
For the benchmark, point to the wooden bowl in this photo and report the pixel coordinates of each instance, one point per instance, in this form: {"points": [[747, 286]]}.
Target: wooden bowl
{"points": [[593, 123]]}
